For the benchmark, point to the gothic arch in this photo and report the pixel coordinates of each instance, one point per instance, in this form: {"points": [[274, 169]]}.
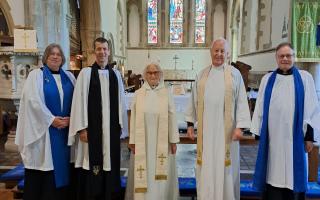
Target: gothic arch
{"points": [[219, 10], [4, 6], [133, 6]]}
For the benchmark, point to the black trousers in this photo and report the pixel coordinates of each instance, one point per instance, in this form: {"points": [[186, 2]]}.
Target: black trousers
{"points": [[40, 185], [274, 193], [110, 189]]}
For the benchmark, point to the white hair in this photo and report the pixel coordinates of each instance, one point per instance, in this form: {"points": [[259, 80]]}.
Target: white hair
{"points": [[158, 68], [226, 44]]}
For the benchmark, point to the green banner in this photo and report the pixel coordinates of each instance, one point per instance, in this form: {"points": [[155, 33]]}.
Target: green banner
{"points": [[305, 18]]}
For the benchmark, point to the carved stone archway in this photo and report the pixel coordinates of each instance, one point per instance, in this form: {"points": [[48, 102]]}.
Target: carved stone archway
{"points": [[4, 6]]}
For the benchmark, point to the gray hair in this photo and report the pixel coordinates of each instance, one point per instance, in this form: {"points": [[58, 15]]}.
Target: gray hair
{"points": [[285, 44], [226, 44], [158, 68], [48, 51]]}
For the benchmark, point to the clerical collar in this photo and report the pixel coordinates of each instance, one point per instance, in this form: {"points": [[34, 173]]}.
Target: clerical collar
{"points": [[99, 67], [52, 72], [289, 72], [149, 87]]}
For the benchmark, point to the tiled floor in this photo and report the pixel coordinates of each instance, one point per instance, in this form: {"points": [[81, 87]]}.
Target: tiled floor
{"points": [[186, 157]]}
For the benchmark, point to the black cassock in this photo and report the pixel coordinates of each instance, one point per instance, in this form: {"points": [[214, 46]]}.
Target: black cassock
{"points": [[96, 184]]}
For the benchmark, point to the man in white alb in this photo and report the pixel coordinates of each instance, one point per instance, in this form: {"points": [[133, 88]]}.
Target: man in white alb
{"points": [[219, 105], [286, 112]]}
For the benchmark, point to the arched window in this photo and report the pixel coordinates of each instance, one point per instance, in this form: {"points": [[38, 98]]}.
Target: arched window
{"points": [[4, 30], [176, 21], [152, 22], [200, 21]]}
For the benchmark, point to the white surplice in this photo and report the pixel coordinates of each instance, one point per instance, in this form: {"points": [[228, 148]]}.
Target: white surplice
{"points": [[281, 114], [157, 189], [34, 120], [79, 116], [214, 180]]}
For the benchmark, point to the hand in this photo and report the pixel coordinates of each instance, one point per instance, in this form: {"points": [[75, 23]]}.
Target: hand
{"points": [[190, 132], [308, 146], [66, 121], [236, 134], [83, 135], [132, 148], [173, 148], [58, 122]]}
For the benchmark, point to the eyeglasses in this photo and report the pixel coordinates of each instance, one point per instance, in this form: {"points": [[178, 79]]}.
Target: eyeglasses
{"points": [[282, 56], [156, 73]]}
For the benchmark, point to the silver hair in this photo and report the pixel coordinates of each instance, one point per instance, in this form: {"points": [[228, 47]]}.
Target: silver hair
{"points": [[158, 68], [226, 44]]}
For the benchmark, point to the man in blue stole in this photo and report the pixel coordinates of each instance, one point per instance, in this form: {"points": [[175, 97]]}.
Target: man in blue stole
{"points": [[283, 121]]}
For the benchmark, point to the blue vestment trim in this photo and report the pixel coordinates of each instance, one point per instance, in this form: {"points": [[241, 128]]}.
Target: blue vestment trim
{"points": [[299, 158], [58, 137]]}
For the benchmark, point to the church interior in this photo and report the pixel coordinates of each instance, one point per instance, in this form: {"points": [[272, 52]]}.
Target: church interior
{"points": [[176, 34]]}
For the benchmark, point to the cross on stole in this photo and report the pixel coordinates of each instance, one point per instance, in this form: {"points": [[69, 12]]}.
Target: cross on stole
{"points": [[161, 158], [140, 170]]}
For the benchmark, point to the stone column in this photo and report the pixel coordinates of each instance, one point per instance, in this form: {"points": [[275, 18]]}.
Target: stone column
{"points": [[90, 28], [13, 75]]}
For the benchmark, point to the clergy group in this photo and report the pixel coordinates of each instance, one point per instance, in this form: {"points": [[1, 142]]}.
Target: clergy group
{"points": [[69, 130]]}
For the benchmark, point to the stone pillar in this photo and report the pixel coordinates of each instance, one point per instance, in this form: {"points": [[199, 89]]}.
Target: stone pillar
{"points": [[64, 32], [143, 25], [90, 28], [13, 75]]}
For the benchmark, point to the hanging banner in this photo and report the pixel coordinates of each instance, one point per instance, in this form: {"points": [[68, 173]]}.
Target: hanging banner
{"points": [[305, 20]]}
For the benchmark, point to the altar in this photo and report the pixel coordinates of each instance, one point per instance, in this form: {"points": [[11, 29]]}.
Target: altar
{"points": [[180, 101]]}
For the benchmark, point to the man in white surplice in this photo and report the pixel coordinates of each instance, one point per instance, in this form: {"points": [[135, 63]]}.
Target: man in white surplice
{"points": [[98, 116], [275, 174], [219, 105]]}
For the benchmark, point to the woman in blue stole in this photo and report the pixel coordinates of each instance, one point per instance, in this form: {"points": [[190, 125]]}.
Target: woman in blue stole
{"points": [[42, 129]]}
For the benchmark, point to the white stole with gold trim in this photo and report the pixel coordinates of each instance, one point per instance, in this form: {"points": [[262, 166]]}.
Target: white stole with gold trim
{"points": [[140, 165], [228, 124]]}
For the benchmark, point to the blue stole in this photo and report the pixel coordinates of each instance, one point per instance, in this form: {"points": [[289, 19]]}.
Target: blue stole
{"points": [[58, 137], [299, 158]]}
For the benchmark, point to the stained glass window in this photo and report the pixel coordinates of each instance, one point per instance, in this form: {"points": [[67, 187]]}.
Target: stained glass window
{"points": [[200, 21], [152, 21], [176, 21]]}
